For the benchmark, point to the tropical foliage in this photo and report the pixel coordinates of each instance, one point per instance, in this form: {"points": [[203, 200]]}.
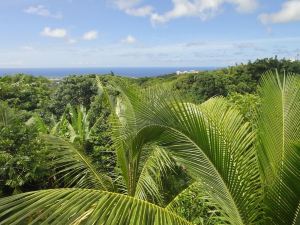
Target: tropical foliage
{"points": [[23, 165], [242, 171]]}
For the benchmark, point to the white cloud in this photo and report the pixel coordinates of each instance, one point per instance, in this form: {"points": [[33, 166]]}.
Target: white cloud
{"points": [[131, 7], [141, 11], [203, 9], [125, 4], [55, 33], [290, 11], [41, 10], [90, 35], [244, 6], [129, 40]]}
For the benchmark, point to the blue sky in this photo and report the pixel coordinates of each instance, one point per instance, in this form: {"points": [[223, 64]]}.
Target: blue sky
{"points": [[110, 33]]}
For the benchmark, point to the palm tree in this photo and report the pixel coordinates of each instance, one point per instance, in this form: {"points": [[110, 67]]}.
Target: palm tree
{"points": [[251, 174]]}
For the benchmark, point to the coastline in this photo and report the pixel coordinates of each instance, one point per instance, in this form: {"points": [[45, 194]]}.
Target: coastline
{"points": [[133, 72]]}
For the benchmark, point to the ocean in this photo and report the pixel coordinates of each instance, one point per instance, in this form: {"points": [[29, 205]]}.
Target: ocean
{"points": [[122, 71]]}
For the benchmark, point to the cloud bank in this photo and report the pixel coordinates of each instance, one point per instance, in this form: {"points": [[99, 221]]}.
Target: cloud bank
{"points": [[203, 9], [289, 12]]}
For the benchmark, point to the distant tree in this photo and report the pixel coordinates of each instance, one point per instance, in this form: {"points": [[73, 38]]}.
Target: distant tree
{"points": [[246, 103], [260, 66], [27, 93], [243, 78], [74, 90]]}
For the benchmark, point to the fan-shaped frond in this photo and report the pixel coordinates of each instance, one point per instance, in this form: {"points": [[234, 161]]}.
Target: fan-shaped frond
{"points": [[214, 144], [83, 206], [74, 167], [279, 133]]}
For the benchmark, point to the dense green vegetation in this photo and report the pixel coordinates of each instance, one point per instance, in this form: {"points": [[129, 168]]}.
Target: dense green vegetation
{"points": [[22, 155], [105, 147]]}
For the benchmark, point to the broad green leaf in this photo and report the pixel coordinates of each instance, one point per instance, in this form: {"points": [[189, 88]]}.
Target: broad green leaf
{"points": [[82, 206], [74, 167], [279, 155]]}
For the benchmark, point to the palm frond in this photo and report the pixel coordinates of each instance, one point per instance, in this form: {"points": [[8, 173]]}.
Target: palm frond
{"points": [[212, 142], [296, 219], [7, 115], [135, 159], [83, 206], [149, 185], [37, 121], [106, 97], [127, 142], [141, 166], [79, 125], [74, 167], [61, 124], [279, 156]]}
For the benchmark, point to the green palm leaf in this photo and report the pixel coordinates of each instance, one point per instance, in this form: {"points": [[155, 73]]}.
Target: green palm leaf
{"points": [[213, 142], [39, 123], [142, 163], [7, 115], [279, 134], [79, 126], [61, 124], [149, 186], [83, 206], [74, 167]]}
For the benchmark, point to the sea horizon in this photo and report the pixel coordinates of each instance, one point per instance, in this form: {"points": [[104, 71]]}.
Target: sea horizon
{"points": [[121, 71]]}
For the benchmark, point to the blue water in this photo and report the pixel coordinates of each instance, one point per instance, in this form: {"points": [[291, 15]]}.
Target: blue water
{"points": [[123, 71]]}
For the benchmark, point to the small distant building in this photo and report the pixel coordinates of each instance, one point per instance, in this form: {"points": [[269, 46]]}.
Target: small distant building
{"points": [[187, 72]]}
